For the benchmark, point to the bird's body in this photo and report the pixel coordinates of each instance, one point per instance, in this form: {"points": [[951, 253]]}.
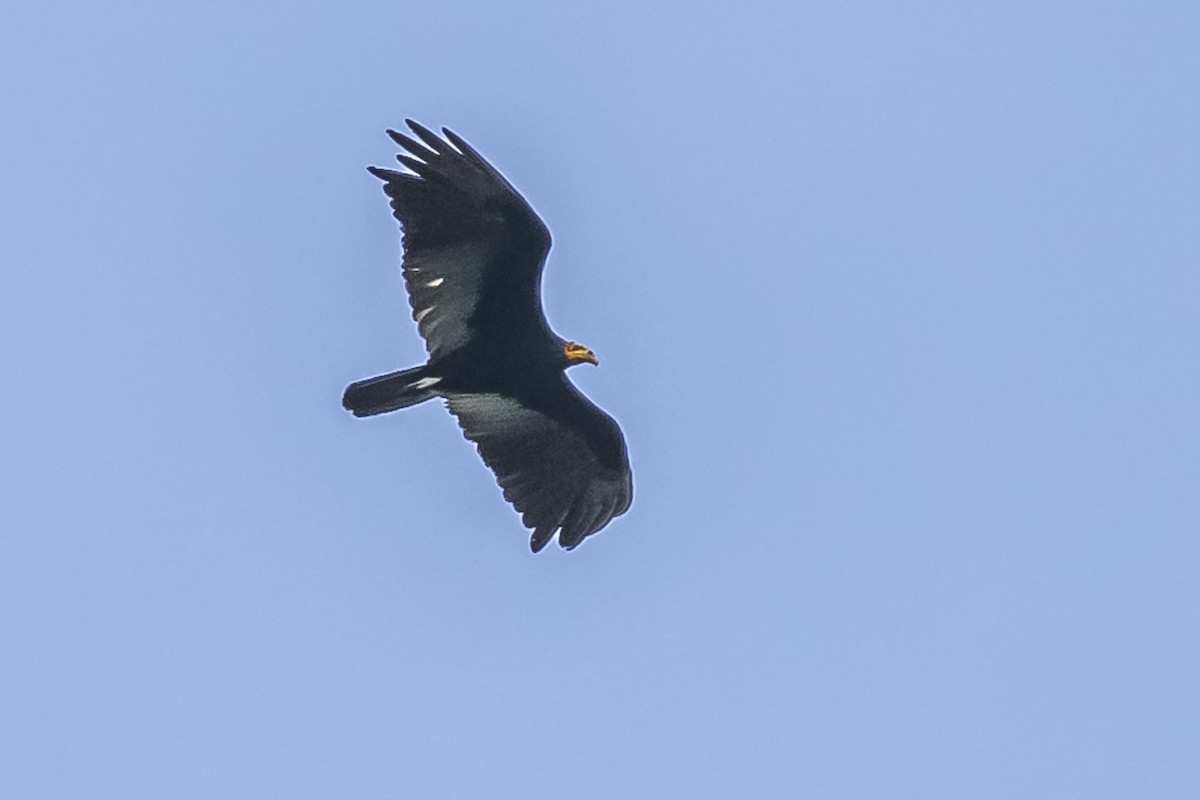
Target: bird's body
{"points": [[473, 257]]}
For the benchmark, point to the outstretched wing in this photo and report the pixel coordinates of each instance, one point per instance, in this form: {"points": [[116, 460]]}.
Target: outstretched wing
{"points": [[473, 248], [564, 469]]}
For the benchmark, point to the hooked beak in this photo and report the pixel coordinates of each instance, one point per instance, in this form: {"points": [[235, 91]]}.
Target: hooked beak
{"points": [[578, 354]]}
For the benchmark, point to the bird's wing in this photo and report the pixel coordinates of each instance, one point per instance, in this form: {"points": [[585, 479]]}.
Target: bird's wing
{"points": [[472, 245], [564, 470]]}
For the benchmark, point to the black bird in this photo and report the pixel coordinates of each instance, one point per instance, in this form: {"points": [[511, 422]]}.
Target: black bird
{"points": [[473, 256]]}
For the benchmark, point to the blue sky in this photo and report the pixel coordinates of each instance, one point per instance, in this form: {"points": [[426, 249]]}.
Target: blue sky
{"points": [[896, 303]]}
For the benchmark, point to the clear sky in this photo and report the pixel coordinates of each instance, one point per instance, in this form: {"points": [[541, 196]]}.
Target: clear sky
{"points": [[898, 305]]}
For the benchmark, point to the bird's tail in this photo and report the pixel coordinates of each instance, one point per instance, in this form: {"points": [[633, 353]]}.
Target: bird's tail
{"points": [[390, 392]]}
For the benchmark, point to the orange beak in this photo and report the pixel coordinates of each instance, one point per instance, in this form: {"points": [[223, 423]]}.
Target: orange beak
{"points": [[578, 354]]}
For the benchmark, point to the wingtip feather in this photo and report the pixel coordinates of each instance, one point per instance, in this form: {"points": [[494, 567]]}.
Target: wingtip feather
{"points": [[415, 164], [464, 147], [413, 146], [540, 538], [427, 136]]}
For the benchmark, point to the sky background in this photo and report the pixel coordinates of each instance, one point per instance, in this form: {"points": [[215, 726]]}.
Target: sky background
{"points": [[899, 308]]}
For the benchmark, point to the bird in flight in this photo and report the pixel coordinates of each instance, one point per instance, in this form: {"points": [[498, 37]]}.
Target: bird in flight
{"points": [[474, 250]]}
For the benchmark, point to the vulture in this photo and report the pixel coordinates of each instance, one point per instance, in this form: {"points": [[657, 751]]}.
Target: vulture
{"points": [[474, 251]]}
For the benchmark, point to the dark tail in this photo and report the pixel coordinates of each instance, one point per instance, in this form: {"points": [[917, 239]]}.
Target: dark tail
{"points": [[390, 392]]}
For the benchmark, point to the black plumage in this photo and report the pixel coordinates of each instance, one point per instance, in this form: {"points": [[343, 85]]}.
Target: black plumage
{"points": [[473, 256]]}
